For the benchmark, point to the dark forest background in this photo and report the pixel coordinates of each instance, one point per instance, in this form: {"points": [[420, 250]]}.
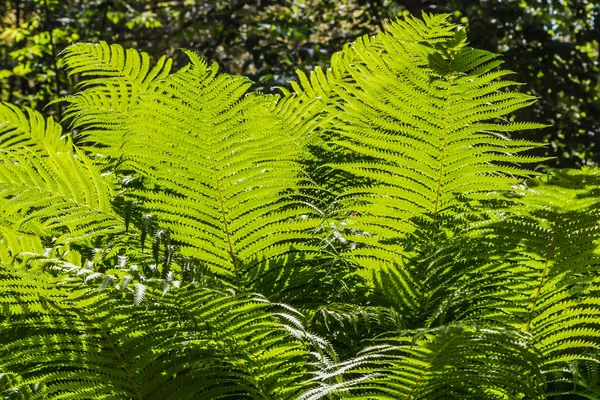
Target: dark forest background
{"points": [[552, 45]]}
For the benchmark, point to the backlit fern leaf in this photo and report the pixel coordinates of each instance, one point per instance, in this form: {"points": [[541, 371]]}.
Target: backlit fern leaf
{"points": [[419, 113], [30, 129], [114, 79], [14, 243], [417, 124], [49, 188], [219, 167], [103, 61]]}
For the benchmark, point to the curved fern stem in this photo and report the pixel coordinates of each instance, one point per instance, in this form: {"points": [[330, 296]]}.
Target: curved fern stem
{"points": [[442, 156], [227, 233]]}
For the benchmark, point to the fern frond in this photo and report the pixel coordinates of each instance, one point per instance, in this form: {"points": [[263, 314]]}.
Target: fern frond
{"points": [[79, 344], [424, 137], [104, 61], [546, 270], [219, 168], [46, 186], [459, 361], [418, 138], [580, 379], [14, 243], [30, 130], [114, 79], [61, 193]]}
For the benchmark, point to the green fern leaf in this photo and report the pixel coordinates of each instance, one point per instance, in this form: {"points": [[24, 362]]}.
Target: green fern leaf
{"points": [[448, 362], [220, 170], [31, 130], [80, 344], [418, 139]]}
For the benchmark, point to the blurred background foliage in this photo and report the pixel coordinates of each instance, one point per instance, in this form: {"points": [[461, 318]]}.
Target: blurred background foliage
{"points": [[552, 45]]}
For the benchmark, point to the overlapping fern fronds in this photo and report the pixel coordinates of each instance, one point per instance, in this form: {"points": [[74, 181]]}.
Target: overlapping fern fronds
{"points": [[418, 111], [114, 78], [418, 127], [383, 197], [64, 342], [453, 361], [425, 155], [549, 265]]}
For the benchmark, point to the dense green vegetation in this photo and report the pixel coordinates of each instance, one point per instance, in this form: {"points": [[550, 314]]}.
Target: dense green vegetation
{"points": [[552, 45], [373, 233]]}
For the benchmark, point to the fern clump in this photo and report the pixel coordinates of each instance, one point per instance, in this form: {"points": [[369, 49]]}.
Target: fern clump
{"points": [[373, 233]]}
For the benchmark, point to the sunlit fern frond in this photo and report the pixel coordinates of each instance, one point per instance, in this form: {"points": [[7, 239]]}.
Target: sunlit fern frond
{"points": [[219, 167], [420, 112], [104, 62], [114, 78], [30, 129], [52, 194], [418, 134], [14, 243], [62, 195], [49, 188]]}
